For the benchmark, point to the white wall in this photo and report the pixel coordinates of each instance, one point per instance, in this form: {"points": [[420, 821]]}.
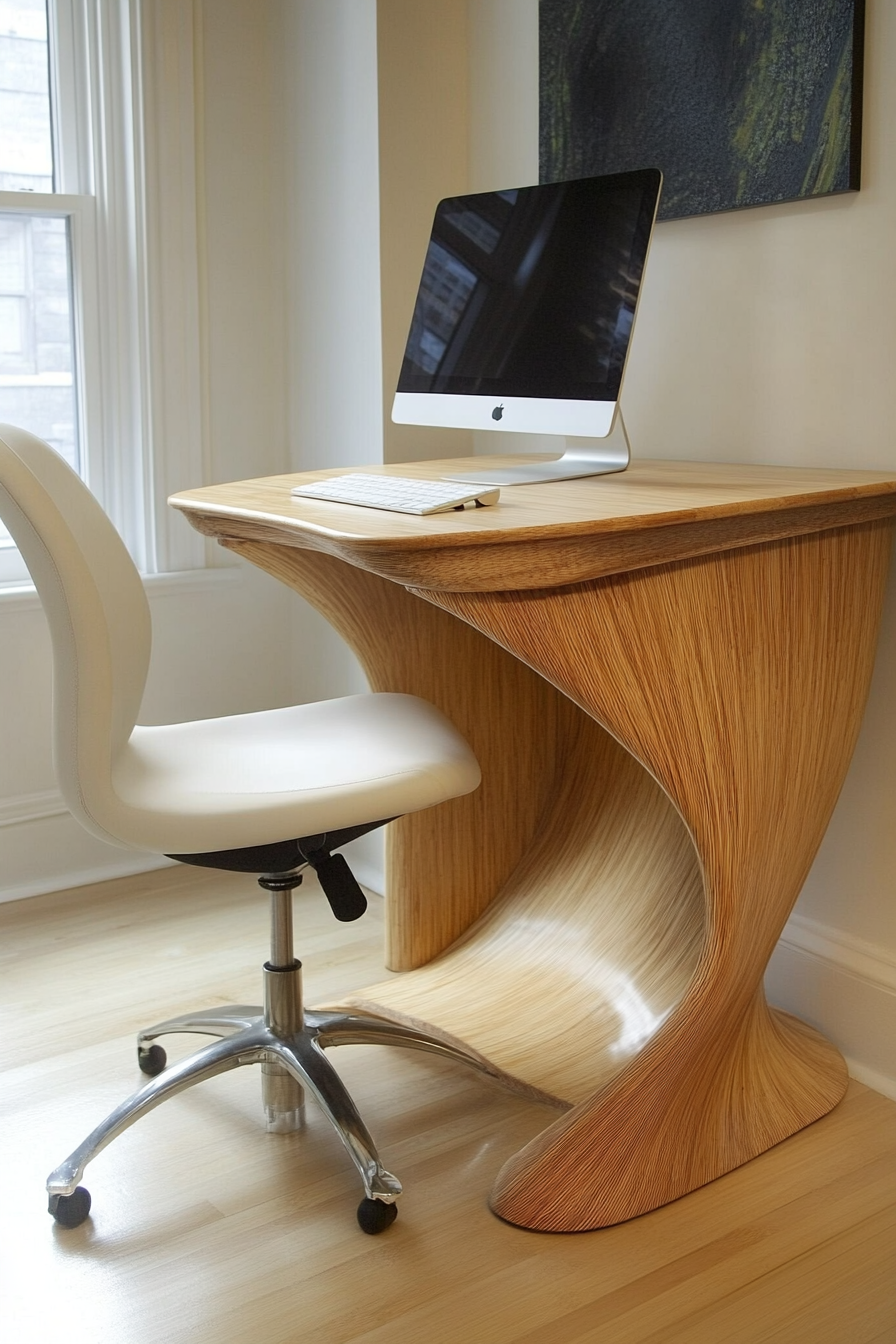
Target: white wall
{"points": [[770, 336], [329, 83], [424, 135], [325, 90], [242, 239]]}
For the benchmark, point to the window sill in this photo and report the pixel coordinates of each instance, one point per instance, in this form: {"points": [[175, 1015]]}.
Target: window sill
{"points": [[20, 595]]}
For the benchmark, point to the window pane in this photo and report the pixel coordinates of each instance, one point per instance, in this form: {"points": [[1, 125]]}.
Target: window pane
{"points": [[37, 385], [26, 148]]}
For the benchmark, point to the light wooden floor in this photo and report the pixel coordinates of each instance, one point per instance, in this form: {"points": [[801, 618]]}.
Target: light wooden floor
{"points": [[205, 1228]]}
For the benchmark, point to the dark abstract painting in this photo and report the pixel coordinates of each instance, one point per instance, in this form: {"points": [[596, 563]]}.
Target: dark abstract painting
{"points": [[738, 102]]}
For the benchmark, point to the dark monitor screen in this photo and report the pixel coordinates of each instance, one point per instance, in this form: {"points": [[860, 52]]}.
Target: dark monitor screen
{"points": [[532, 292]]}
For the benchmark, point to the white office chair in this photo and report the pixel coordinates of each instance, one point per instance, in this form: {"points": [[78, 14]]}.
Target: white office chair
{"points": [[267, 793]]}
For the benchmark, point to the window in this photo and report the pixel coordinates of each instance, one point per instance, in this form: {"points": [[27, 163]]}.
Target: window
{"points": [[37, 385], [26, 162], [99, 311]]}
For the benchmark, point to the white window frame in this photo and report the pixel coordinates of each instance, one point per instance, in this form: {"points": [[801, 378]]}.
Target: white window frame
{"points": [[126, 154]]}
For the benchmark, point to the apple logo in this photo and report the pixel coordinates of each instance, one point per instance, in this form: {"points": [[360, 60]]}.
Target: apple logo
{"points": [[497, 412]]}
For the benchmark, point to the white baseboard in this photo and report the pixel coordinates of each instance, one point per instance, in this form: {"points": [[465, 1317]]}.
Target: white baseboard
{"points": [[31, 807], [878, 1082], [843, 950], [42, 848], [846, 988], [85, 876], [369, 875]]}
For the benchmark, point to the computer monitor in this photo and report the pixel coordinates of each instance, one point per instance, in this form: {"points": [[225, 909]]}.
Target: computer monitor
{"points": [[524, 317]]}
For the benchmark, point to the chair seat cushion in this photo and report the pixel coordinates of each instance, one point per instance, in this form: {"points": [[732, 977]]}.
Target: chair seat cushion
{"points": [[254, 779]]}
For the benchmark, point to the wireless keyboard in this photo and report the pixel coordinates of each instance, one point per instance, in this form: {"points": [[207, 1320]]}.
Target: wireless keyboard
{"points": [[399, 494]]}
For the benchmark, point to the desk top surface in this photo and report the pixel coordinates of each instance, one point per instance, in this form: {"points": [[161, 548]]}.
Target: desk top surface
{"points": [[654, 511]]}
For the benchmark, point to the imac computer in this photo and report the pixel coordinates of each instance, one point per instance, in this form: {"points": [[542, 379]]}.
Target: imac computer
{"points": [[524, 317]]}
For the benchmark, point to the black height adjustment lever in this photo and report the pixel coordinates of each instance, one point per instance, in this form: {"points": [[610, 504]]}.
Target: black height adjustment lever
{"points": [[347, 900]]}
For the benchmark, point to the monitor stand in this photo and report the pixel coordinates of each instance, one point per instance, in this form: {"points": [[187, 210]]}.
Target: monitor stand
{"points": [[582, 457]]}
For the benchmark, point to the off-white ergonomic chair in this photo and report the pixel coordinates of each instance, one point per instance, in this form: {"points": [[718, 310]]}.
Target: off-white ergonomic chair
{"points": [[266, 793]]}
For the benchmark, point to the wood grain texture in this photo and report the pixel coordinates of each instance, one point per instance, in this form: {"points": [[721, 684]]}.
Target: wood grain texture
{"points": [[662, 750], [654, 512]]}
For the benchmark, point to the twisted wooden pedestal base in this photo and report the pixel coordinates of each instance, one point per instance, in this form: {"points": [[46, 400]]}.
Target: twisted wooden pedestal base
{"points": [[662, 749]]}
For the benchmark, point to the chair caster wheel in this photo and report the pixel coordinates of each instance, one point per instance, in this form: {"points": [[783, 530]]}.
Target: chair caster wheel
{"points": [[70, 1210], [151, 1059], [375, 1216]]}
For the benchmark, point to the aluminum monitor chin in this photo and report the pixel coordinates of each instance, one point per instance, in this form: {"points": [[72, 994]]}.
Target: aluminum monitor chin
{"points": [[525, 314]]}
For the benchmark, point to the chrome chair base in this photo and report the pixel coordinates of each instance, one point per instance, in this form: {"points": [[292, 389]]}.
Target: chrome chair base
{"points": [[289, 1044]]}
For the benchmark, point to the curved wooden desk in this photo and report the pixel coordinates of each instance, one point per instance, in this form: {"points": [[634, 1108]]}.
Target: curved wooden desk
{"points": [[663, 674]]}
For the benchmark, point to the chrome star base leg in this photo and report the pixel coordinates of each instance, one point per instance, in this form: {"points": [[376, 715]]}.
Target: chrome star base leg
{"points": [[289, 1044], [282, 1097]]}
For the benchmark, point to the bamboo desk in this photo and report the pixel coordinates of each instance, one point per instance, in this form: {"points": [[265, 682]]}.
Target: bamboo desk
{"points": [[663, 675]]}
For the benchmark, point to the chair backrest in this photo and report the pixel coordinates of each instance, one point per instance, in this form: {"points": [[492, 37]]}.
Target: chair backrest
{"points": [[97, 612]]}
